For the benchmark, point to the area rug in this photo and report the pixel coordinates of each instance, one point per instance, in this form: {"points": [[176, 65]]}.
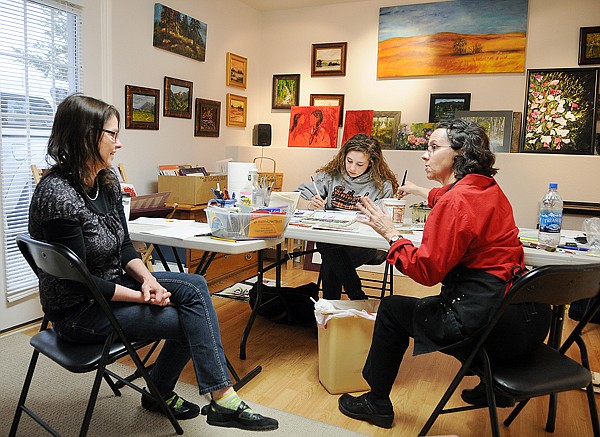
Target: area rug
{"points": [[61, 397]]}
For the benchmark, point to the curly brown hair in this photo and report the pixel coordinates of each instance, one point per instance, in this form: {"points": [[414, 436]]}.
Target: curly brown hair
{"points": [[380, 171]]}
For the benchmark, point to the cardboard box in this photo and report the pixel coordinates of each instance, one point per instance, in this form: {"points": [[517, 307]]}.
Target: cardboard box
{"points": [[343, 350], [275, 178], [191, 190]]}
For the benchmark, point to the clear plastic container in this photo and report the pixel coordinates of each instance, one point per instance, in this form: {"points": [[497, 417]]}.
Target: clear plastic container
{"points": [[233, 224], [550, 220]]}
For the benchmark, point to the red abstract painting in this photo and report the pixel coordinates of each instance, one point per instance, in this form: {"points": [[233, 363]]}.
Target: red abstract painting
{"points": [[357, 122]]}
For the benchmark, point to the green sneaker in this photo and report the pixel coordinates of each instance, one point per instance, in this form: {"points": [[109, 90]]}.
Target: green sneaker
{"points": [[181, 408]]}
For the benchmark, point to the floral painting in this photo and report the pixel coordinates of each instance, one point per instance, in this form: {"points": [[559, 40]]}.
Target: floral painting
{"points": [[452, 37], [357, 122], [414, 136], [560, 111], [314, 126]]}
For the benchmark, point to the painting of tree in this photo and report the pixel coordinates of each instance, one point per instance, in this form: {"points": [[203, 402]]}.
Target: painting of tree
{"points": [[179, 33]]}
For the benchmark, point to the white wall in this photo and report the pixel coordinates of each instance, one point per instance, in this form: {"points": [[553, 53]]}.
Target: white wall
{"points": [[118, 51]]}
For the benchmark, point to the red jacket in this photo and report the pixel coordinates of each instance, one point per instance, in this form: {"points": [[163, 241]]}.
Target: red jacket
{"points": [[471, 225]]}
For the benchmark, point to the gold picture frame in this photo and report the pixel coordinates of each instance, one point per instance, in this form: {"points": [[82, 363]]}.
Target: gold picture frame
{"points": [[237, 110], [237, 70]]}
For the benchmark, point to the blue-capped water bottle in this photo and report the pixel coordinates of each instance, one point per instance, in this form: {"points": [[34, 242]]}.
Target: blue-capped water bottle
{"points": [[551, 210]]}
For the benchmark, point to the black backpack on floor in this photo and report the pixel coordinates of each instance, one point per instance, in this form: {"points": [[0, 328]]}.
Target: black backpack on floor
{"points": [[287, 304]]}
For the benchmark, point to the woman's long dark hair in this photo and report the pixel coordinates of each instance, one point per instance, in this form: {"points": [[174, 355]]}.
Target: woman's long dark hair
{"points": [[475, 155], [76, 133]]}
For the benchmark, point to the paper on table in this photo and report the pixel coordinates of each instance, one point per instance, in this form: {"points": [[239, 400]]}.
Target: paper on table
{"points": [[193, 229], [161, 221]]}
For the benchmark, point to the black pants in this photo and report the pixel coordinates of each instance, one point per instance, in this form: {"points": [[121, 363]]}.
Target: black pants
{"points": [[338, 268], [515, 334]]}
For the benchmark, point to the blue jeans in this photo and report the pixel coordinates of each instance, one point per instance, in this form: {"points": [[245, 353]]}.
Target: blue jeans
{"points": [[189, 326]]}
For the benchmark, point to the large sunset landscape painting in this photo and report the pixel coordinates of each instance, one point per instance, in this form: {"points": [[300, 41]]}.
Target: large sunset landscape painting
{"points": [[453, 37]]}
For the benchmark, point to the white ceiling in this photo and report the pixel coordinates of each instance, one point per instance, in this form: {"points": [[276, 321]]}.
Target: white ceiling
{"points": [[273, 5]]}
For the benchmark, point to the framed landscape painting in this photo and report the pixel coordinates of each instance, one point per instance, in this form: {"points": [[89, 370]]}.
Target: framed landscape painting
{"points": [[560, 111], [237, 70], [385, 128], [141, 107], [328, 59], [178, 98], [497, 124], [589, 45], [237, 110], [455, 37], [208, 118], [443, 106], [179, 33], [286, 91]]}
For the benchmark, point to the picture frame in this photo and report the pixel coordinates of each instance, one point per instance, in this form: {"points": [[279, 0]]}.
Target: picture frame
{"points": [[516, 133], [443, 106], [589, 45], [286, 91], [208, 118], [560, 111], [328, 59], [385, 128], [497, 124], [178, 98], [237, 70], [237, 110], [329, 100], [141, 107]]}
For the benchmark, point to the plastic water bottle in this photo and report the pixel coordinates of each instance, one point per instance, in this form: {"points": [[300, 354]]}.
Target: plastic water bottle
{"points": [[551, 209]]}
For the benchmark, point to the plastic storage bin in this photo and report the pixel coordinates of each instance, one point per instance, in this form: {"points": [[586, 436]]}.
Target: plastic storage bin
{"points": [[232, 224], [343, 349]]}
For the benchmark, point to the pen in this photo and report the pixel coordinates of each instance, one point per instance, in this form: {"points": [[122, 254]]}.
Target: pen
{"points": [[404, 178], [582, 249], [316, 189]]}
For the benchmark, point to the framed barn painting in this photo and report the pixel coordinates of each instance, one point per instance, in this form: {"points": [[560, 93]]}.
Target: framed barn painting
{"points": [[456, 37], [560, 111], [237, 110]]}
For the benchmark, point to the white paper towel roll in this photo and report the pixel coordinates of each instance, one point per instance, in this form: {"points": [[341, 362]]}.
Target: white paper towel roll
{"points": [[239, 179]]}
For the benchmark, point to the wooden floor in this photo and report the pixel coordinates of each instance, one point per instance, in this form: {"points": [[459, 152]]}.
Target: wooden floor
{"points": [[289, 380]]}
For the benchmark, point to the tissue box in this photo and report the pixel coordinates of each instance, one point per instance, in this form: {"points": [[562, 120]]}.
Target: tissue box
{"points": [[190, 190]]}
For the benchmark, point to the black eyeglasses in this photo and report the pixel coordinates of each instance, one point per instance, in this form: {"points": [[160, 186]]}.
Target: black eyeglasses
{"points": [[113, 134]]}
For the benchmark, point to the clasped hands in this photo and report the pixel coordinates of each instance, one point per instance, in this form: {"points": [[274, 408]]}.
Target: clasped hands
{"points": [[154, 293]]}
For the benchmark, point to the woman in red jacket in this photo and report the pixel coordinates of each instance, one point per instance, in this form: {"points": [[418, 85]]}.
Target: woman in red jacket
{"points": [[471, 245]]}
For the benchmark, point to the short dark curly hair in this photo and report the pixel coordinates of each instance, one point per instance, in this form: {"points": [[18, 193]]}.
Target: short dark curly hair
{"points": [[475, 155]]}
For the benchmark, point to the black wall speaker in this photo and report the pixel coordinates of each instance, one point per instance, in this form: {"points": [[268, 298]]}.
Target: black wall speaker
{"points": [[261, 135]]}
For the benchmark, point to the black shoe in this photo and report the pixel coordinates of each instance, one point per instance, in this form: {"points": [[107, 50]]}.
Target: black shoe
{"points": [[476, 396], [360, 408], [240, 418], [181, 408]]}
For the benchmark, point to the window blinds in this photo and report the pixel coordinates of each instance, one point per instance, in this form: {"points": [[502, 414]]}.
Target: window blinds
{"points": [[40, 64]]}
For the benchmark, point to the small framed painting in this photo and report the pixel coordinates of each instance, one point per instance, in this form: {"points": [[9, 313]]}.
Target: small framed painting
{"points": [[178, 98], [237, 70], [237, 110], [497, 124], [589, 45], [208, 118], [141, 107], [443, 106], [286, 91], [328, 59], [329, 100]]}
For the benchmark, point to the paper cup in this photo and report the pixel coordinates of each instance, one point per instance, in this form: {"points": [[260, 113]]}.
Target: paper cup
{"points": [[395, 208]]}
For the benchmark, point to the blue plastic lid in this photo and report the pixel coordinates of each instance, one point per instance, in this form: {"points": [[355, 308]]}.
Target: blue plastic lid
{"points": [[553, 185]]}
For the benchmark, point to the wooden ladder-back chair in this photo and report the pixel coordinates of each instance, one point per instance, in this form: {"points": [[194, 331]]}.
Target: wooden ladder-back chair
{"points": [[59, 261], [543, 371]]}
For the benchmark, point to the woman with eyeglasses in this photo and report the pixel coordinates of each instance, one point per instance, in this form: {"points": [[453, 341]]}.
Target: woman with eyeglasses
{"points": [[78, 203], [471, 246]]}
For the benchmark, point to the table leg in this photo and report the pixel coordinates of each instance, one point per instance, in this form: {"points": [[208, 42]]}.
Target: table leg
{"points": [[257, 303]]}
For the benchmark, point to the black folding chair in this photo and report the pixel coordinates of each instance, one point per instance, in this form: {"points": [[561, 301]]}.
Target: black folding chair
{"points": [[546, 371], [61, 262]]}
